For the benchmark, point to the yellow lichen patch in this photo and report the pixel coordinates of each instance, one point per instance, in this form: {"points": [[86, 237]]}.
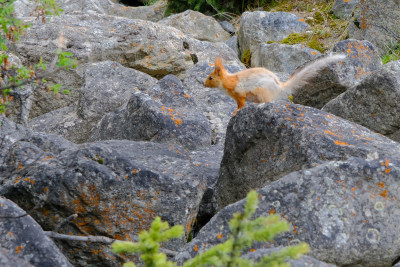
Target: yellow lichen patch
{"points": [[341, 143], [18, 249], [30, 180], [384, 194], [332, 133]]}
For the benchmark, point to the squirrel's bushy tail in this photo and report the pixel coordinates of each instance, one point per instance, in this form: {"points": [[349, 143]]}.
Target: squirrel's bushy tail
{"points": [[302, 75]]}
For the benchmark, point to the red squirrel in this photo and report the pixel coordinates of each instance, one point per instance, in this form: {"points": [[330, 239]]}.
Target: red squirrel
{"points": [[260, 85]]}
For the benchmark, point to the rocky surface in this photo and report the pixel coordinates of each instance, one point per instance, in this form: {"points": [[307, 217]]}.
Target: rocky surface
{"points": [[335, 181], [23, 240], [268, 141], [345, 210], [165, 113], [377, 23], [107, 86], [196, 25], [373, 103], [344, 8], [260, 27], [149, 47], [281, 57], [116, 187], [153, 12], [361, 59]]}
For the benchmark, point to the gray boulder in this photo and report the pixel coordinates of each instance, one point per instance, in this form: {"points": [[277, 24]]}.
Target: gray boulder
{"points": [[197, 25], [345, 210], [362, 59], [260, 27], [268, 141], [25, 240], [377, 23], [344, 8], [142, 45], [107, 86], [117, 188], [155, 12], [373, 103], [166, 114], [227, 26], [282, 57], [233, 44]]}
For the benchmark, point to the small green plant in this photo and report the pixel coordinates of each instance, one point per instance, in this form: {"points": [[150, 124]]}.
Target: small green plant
{"points": [[246, 58], [149, 244], [244, 231], [392, 54]]}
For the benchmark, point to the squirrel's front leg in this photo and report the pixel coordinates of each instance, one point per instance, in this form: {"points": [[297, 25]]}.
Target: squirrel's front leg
{"points": [[241, 100]]}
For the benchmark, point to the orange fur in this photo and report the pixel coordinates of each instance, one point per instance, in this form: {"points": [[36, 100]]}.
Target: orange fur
{"points": [[260, 85]]}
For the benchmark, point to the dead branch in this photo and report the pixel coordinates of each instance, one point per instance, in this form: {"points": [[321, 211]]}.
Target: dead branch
{"points": [[97, 239]]}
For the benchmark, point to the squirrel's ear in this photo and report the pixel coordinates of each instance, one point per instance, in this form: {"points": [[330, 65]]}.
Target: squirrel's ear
{"points": [[218, 65]]}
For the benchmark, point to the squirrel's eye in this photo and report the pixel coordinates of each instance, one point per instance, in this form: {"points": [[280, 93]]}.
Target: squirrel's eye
{"points": [[210, 78]]}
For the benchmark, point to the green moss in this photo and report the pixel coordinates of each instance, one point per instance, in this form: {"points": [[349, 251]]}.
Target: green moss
{"points": [[295, 38], [246, 58], [315, 43], [391, 55]]}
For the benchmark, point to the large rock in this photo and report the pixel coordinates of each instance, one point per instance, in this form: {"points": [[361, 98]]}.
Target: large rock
{"points": [[166, 114], [377, 23], [149, 47], [260, 27], [268, 141], [117, 188], [155, 12], [197, 25], [344, 8], [282, 57], [345, 210], [107, 86], [334, 79], [25, 240], [373, 103]]}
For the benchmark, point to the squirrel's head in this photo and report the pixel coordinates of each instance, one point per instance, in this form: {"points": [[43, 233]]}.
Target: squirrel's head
{"points": [[214, 80]]}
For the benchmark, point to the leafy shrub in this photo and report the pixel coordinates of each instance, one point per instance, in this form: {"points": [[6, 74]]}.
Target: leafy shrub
{"points": [[244, 231]]}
